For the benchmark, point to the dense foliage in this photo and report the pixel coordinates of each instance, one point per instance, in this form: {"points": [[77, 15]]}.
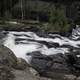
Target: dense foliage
{"points": [[58, 20], [40, 10]]}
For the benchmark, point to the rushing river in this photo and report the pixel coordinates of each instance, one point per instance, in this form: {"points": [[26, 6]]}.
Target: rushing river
{"points": [[22, 43]]}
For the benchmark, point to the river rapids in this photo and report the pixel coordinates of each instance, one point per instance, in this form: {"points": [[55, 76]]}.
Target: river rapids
{"points": [[22, 43]]}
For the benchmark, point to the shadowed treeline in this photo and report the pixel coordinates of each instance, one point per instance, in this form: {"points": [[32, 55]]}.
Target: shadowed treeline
{"points": [[58, 15], [6, 5]]}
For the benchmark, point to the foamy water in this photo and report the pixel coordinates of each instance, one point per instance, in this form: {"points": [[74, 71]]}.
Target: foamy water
{"points": [[22, 43]]}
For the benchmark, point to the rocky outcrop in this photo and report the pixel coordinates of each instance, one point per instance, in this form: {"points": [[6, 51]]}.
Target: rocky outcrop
{"points": [[52, 67], [5, 73], [58, 66], [21, 64], [13, 68], [7, 57], [7, 62]]}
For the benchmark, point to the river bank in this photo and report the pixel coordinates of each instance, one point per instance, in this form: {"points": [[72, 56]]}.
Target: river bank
{"points": [[51, 55]]}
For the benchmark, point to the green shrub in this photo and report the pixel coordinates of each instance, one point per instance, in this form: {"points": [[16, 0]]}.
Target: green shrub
{"points": [[57, 20]]}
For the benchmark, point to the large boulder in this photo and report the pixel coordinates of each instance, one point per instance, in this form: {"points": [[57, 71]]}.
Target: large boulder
{"points": [[7, 57], [53, 66], [13, 68], [21, 64], [7, 62]]}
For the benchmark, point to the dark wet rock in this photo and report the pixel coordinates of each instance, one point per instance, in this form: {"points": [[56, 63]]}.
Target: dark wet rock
{"points": [[67, 34], [39, 61], [70, 58], [35, 54], [67, 46], [58, 58], [58, 69], [48, 44], [73, 62], [58, 66], [2, 34], [33, 28], [42, 34], [49, 66]]}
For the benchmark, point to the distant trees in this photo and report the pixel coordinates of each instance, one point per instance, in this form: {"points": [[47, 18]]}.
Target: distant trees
{"points": [[58, 20], [5, 7], [22, 12], [51, 11]]}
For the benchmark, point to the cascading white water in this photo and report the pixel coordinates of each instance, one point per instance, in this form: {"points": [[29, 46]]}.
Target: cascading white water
{"points": [[22, 43], [76, 32]]}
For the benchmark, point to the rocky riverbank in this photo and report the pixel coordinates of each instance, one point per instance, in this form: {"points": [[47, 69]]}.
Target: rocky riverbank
{"points": [[13, 68]]}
